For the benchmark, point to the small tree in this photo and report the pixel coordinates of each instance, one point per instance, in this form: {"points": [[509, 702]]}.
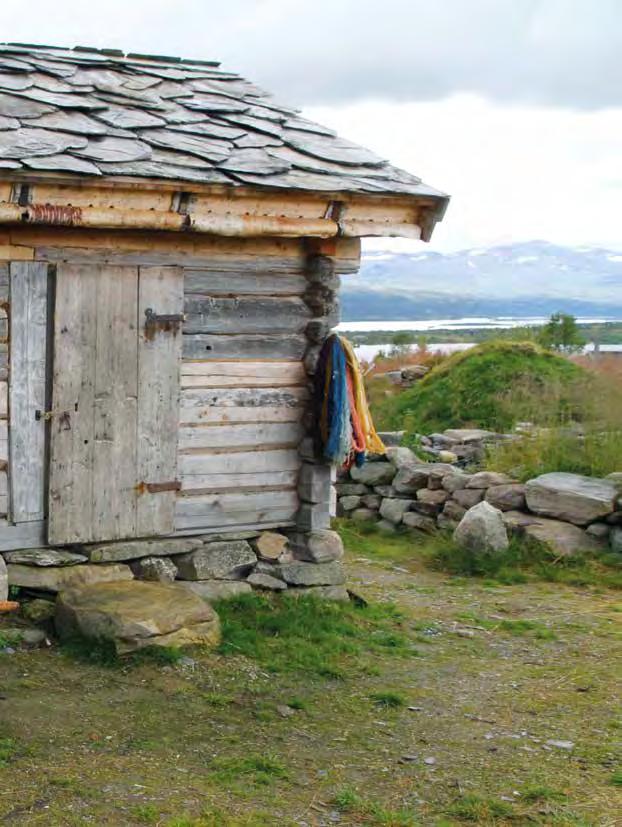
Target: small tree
{"points": [[401, 343], [562, 333]]}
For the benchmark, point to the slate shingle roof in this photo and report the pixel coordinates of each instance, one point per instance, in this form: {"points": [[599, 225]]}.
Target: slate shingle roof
{"points": [[103, 113]]}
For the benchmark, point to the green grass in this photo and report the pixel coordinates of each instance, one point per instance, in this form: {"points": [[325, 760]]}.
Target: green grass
{"points": [[388, 700], [471, 388], [349, 802], [256, 769], [103, 653], [8, 749], [523, 561], [308, 635], [480, 810]]}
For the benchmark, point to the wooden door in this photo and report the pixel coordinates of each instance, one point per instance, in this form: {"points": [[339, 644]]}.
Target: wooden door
{"points": [[115, 397]]}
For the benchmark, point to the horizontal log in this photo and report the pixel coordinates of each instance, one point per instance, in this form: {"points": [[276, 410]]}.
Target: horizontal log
{"points": [[268, 281], [241, 520], [257, 526], [242, 374], [212, 504], [294, 397], [249, 346], [205, 314], [203, 437], [214, 483], [236, 415], [243, 462]]}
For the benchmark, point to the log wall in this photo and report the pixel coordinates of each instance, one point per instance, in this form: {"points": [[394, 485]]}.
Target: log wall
{"points": [[253, 327]]}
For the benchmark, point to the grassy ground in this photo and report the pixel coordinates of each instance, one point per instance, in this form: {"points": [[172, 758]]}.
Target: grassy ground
{"points": [[445, 701]]}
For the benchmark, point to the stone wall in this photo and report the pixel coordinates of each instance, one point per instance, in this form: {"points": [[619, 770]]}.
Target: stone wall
{"points": [[212, 566], [567, 512]]}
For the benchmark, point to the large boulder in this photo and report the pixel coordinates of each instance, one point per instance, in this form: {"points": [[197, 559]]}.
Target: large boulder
{"points": [[563, 539], [431, 501], [571, 497], [615, 539], [455, 481], [412, 519], [135, 615], [507, 497], [229, 560], [55, 578], [400, 456], [482, 529], [373, 473], [270, 545], [394, 510]]}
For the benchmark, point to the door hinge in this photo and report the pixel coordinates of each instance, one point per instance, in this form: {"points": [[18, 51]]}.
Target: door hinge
{"points": [[163, 319], [158, 487]]}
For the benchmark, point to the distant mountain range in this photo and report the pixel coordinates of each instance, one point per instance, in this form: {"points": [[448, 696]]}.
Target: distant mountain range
{"points": [[532, 278]]}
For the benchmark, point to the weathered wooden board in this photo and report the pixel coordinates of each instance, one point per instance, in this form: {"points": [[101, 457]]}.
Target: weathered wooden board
{"points": [[236, 414], [261, 526], [238, 521], [72, 431], [201, 374], [211, 506], [22, 535], [242, 462], [249, 346], [29, 288], [251, 436], [115, 413], [261, 314], [4, 493], [4, 400], [4, 441], [256, 398], [269, 282], [159, 356], [213, 483]]}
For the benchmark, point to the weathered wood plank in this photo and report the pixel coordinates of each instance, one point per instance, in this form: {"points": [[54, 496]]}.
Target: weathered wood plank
{"points": [[203, 437], [274, 516], [159, 355], [214, 483], [208, 505], [262, 314], [73, 399], [4, 361], [269, 282], [242, 462], [4, 400], [4, 441], [4, 493], [22, 535], [115, 405], [249, 346], [199, 404], [235, 415], [242, 374], [29, 286], [262, 526]]}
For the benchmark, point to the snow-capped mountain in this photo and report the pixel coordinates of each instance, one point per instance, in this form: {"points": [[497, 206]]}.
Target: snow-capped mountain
{"points": [[529, 278]]}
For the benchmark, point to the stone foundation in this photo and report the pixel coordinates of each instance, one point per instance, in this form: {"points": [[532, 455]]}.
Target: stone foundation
{"points": [[214, 566]]}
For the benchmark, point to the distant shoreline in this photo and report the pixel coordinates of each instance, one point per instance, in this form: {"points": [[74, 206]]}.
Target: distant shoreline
{"points": [[471, 330]]}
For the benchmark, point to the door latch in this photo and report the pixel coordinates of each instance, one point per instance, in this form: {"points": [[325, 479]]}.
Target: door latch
{"points": [[47, 416]]}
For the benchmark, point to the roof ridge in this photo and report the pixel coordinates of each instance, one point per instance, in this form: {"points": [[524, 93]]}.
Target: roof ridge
{"points": [[118, 53]]}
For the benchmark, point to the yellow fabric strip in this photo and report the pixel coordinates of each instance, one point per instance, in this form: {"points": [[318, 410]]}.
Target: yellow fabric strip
{"points": [[374, 444]]}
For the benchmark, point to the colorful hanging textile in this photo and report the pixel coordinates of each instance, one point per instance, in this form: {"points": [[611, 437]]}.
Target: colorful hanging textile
{"points": [[344, 430]]}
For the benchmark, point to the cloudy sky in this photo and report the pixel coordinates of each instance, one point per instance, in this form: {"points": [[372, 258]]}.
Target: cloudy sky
{"points": [[514, 107]]}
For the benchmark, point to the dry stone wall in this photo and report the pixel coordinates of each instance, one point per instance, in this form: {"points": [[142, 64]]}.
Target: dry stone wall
{"points": [[568, 512]]}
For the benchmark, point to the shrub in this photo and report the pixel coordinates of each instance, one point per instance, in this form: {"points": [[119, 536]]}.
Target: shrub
{"points": [[478, 387]]}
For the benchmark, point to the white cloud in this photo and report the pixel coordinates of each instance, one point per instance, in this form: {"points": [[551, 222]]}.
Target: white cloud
{"points": [[514, 173]]}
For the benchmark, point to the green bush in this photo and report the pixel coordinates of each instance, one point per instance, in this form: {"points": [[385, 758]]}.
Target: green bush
{"points": [[482, 387]]}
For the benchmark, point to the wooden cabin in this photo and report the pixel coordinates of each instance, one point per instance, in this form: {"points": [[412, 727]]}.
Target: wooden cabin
{"points": [[171, 241]]}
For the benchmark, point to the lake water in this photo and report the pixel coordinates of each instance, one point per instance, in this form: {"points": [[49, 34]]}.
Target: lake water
{"points": [[367, 352]]}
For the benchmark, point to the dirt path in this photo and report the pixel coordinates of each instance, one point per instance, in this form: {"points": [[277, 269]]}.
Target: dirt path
{"points": [[505, 709]]}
